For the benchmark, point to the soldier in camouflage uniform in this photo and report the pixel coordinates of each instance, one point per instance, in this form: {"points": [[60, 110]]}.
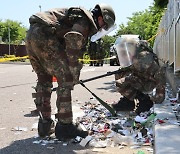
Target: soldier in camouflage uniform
{"points": [[54, 42], [92, 52], [100, 54], [96, 53], [144, 75]]}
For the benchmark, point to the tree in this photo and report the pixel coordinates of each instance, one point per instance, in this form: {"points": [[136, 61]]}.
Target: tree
{"points": [[107, 42], [161, 3], [14, 28], [144, 23]]}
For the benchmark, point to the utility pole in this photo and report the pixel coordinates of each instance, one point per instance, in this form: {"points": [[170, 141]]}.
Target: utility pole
{"points": [[40, 8], [9, 36]]}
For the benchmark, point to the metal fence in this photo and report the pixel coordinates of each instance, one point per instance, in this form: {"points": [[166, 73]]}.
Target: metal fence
{"points": [[167, 42], [17, 50]]}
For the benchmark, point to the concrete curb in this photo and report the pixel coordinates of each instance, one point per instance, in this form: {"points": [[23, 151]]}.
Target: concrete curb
{"points": [[173, 79], [167, 140]]}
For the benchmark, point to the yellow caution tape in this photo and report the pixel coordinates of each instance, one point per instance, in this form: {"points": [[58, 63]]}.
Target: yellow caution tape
{"points": [[161, 31], [14, 58], [86, 60], [26, 57], [113, 57]]}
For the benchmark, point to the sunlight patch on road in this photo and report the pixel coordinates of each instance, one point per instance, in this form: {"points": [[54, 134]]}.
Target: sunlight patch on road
{"points": [[88, 70]]}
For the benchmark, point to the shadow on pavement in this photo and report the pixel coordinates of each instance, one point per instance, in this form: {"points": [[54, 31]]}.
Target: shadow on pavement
{"points": [[33, 113], [27, 146], [110, 86]]}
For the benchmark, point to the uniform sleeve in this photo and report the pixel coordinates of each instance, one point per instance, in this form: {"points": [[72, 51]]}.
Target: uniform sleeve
{"points": [[75, 41], [77, 37]]}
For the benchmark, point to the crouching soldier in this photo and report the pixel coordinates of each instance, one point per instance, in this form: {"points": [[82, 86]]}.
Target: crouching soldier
{"points": [[143, 76]]}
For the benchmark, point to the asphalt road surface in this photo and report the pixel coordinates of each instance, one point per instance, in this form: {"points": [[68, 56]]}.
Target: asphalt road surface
{"points": [[16, 123]]}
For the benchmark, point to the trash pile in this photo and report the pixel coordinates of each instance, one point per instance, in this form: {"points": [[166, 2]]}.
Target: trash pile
{"points": [[106, 131], [175, 107], [174, 102], [122, 130]]}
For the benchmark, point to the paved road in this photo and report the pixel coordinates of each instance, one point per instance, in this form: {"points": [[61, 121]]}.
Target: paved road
{"points": [[16, 83]]}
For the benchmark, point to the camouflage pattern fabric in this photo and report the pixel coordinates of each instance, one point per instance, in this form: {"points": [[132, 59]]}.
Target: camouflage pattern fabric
{"points": [[54, 42], [100, 52], [145, 75], [92, 52], [96, 52]]}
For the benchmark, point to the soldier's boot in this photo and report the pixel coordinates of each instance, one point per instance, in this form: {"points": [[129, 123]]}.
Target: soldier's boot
{"points": [[144, 104], [68, 131], [97, 64], [65, 129], [124, 104], [45, 124], [91, 63], [35, 112], [45, 127]]}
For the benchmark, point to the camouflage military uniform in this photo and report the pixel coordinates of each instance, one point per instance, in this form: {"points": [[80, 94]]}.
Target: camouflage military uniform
{"points": [[100, 53], [92, 52], [96, 53], [54, 42], [144, 75]]}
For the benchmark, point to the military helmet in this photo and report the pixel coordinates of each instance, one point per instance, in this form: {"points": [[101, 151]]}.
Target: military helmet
{"points": [[107, 13]]}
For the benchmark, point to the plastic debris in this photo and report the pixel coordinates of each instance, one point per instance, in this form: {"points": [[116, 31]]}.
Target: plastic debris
{"points": [[37, 142], [98, 144], [65, 144], [149, 119], [34, 126], [107, 131], [2, 128], [85, 141], [173, 100], [140, 152], [77, 139], [19, 129], [160, 121], [135, 147], [51, 148], [140, 119]]}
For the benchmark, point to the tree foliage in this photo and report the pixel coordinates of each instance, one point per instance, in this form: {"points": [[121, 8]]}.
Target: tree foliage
{"points": [[13, 29], [144, 23], [161, 3], [107, 42]]}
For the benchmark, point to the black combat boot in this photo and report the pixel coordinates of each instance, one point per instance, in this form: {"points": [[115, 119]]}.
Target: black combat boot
{"points": [[97, 64], [124, 104], [68, 131], [45, 127], [91, 63], [144, 104]]}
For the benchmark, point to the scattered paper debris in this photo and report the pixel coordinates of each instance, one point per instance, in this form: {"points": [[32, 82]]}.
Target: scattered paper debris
{"points": [[105, 130], [34, 126], [19, 129], [2, 128], [85, 141]]}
